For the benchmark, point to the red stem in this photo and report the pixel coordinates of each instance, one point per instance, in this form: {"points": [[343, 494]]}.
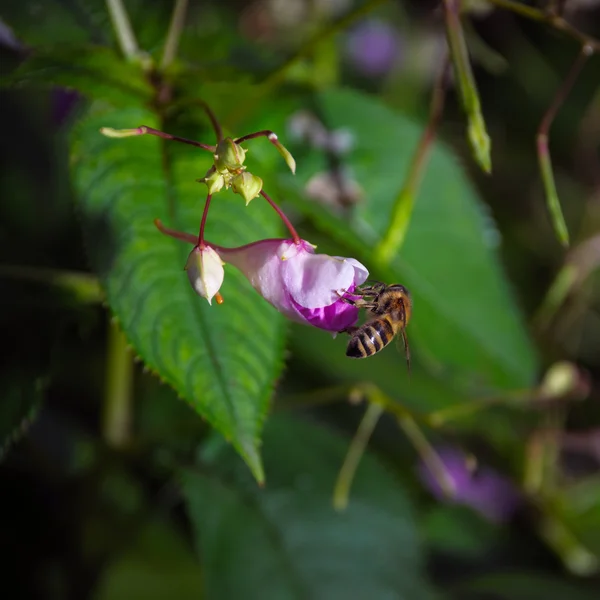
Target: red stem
{"points": [[192, 239], [563, 91], [201, 243], [281, 214], [213, 120], [143, 129], [264, 133]]}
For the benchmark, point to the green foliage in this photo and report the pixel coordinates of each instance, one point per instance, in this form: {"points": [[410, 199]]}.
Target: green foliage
{"points": [[286, 540], [98, 72], [211, 355]]}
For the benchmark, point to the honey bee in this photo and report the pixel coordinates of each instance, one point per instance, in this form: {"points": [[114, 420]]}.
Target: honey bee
{"points": [[391, 308]]}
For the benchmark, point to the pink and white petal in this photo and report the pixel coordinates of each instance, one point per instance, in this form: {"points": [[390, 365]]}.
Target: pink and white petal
{"points": [[313, 279], [360, 271]]}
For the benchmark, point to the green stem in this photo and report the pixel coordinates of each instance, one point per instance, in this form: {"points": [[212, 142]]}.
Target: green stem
{"points": [[428, 455], [555, 296], [175, 29], [118, 392], [477, 133], [122, 27], [395, 234], [551, 19], [357, 448], [545, 161]]}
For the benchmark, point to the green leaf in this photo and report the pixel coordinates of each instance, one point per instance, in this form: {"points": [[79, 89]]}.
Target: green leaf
{"points": [[465, 324], [94, 71], [522, 586], [286, 541], [71, 21], [222, 359], [20, 403]]}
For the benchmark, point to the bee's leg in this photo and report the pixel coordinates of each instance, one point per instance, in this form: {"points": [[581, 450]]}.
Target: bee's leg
{"points": [[349, 330]]}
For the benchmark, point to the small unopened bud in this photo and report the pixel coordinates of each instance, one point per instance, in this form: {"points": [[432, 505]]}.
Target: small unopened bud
{"points": [[564, 381], [248, 186], [205, 271], [287, 156], [229, 156], [214, 181]]}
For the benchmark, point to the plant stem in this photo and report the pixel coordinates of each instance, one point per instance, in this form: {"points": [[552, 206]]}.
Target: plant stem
{"points": [[213, 121], [543, 151], [201, 243], [395, 234], [549, 18], [282, 216], [272, 137], [123, 30], [118, 393], [355, 451], [175, 29], [477, 134], [145, 130], [428, 455]]}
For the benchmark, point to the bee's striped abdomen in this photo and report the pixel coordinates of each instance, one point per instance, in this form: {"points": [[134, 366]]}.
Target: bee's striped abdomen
{"points": [[370, 338]]}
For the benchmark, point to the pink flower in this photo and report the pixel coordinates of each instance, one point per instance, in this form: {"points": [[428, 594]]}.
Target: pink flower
{"points": [[304, 286]]}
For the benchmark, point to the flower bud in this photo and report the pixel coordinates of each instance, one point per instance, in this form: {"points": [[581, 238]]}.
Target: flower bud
{"points": [[229, 156], [214, 181], [205, 271], [248, 186]]}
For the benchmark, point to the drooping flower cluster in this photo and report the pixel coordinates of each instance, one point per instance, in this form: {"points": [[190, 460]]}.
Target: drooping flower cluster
{"points": [[304, 286]]}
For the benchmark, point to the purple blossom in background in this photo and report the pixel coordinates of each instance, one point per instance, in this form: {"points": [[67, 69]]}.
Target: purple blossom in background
{"points": [[483, 489], [372, 47]]}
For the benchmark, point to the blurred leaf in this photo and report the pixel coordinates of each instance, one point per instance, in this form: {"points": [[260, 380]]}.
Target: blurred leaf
{"points": [[286, 541], [572, 524], [94, 71], [460, 531], [157, 565], [20, 403], [521, 586], [465, 323], [222, 359], [71, 21]]}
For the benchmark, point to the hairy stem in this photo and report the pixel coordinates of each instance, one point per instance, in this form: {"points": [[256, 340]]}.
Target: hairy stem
{"points": [[118, 392], [355, 451], [395, 234], [123, 30], [543, 151], [174, 33]]}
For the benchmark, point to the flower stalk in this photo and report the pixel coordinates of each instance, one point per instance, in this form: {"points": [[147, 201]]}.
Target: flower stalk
{"points": [[477, 134], [543, 152], [395, 234]]}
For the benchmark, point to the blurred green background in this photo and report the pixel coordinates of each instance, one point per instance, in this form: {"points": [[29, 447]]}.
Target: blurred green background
{"points": [[113, 487]]}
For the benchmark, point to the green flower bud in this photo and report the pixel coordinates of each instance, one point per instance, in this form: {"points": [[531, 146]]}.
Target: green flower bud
{"points": [[248, 186], [214, 181], [229, 156]]}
